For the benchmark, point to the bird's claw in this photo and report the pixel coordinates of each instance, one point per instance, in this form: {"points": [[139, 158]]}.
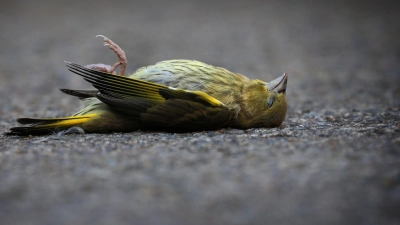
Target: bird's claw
{"points": [[104, 37], [118, 51]]}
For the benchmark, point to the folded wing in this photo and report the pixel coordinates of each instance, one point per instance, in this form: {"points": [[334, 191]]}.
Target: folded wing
{"points": [[156, 106]]}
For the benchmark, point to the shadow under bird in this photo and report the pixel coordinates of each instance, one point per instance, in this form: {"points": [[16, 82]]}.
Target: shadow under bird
{"points": [[174, 96]]}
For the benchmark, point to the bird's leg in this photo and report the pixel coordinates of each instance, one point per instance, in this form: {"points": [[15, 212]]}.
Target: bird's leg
{"points": [[121, 56], [102, 68]]}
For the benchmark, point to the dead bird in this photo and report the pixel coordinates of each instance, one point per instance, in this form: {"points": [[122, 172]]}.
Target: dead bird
{"points": [[173, 95]]}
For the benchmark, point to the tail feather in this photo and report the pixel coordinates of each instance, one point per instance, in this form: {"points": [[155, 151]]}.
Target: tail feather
{"points": [[47, 125]]}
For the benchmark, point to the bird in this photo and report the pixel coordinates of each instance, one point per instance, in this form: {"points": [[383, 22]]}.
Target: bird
{"points": [[170, 96]]}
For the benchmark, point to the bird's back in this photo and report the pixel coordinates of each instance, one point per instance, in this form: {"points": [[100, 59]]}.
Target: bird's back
{"points": [[194, 76]]}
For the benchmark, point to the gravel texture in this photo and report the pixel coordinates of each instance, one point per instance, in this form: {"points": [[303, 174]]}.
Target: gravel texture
{"points": [[335, 159]]}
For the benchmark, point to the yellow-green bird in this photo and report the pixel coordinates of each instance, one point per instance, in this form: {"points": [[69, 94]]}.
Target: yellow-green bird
{"points": [[174, 96]]}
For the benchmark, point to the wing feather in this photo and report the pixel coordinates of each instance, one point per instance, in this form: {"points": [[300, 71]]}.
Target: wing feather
{"points": [[156, 106]]}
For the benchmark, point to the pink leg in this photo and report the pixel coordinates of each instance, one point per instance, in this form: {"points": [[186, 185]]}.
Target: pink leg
{"points": [[121, 56], [101, 67]]}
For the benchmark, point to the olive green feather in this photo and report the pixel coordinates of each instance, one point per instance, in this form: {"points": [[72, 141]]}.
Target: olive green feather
{"points": [[174, 96]]}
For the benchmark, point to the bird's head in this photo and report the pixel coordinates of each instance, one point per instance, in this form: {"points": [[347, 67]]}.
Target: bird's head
{"points": [[265, 104]]}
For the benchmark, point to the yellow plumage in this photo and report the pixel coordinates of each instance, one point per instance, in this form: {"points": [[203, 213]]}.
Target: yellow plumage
{"points": [[174, 95]]}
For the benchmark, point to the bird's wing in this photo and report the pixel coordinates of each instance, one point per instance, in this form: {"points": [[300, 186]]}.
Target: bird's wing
{"points": [[81, 94], [156, 106]]}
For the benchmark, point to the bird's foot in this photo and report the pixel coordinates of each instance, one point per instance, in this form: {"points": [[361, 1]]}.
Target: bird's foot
{"points": [[121, 56], [102, 68]]}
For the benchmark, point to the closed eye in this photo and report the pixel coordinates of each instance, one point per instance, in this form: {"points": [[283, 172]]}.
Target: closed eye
{"points": [[270, 101]]}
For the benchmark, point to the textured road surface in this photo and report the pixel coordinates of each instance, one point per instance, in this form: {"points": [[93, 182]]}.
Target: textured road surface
{"points": [[335, 160]]}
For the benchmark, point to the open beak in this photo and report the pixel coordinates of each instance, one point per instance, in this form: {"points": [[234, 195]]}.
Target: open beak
{"points": [[279, 84]]}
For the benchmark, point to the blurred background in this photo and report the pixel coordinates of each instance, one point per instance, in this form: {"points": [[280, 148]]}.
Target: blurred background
{"points": [[337, 45], [342, 58]]}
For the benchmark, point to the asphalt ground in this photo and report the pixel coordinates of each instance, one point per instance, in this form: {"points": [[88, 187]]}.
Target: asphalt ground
{"points": [[335, 159]]}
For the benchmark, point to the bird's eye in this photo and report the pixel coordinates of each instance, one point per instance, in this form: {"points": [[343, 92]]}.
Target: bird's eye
{"points": [[271, 101]]}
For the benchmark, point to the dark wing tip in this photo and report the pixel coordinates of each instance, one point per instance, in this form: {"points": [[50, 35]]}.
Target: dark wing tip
{"points": [[18, 131], [81, 94], [25, 131], [26, 121], [70, 63]]}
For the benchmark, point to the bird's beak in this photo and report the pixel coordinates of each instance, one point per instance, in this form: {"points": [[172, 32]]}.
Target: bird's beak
{"points": [[279, 84]]}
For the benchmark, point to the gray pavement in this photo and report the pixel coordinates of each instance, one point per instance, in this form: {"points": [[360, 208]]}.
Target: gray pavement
{"points": [[335, 160]]}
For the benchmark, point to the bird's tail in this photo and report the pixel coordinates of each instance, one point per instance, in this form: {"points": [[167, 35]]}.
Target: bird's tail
{"points": [[48, 125]]}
